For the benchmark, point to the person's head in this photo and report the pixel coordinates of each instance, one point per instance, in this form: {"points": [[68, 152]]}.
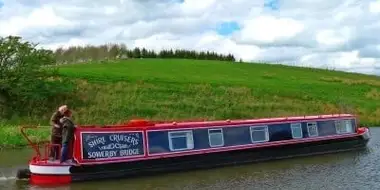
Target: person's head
{"points": [[63, 109], [67, 113]]}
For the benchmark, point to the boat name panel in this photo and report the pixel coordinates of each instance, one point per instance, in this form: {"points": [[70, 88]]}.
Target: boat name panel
{"points": [[110, 145]]}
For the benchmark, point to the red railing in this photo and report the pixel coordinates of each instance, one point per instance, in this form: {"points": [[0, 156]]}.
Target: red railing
{"points": [[36, 146], [33, 145]]}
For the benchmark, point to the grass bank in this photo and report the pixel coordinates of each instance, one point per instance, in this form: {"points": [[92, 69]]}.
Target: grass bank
{"points": [[192, 89]]}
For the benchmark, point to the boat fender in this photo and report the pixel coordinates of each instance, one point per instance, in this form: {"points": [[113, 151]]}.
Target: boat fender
{"points": [[23, 174], [361, 130]]}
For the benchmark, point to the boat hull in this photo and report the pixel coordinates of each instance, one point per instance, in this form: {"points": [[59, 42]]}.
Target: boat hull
{"points": [[70, 174]]}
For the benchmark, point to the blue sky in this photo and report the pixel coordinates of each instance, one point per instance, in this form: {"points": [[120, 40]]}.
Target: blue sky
{"points": [[1, 3], [227, 28], [281, 31], [272, 4]]}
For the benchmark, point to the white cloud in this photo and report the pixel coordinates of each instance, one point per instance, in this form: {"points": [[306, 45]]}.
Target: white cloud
{"points": [[315, 33], [333, 37], [38, 18], [374, 7], [269, 30]]}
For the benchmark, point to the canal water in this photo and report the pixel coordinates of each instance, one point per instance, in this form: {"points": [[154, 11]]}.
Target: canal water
{"points": [[346, 171]]}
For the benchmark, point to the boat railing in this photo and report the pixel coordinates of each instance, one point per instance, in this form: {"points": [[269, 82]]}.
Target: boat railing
{"points": [[30, 142], [36, 145]]}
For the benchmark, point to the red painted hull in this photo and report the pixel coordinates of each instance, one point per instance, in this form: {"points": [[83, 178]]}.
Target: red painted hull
{"points": [[36, 179]]}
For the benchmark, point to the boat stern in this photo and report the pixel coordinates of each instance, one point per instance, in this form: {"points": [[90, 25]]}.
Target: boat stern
{"points": [[45, 173], [42, 170], [364, 132]]}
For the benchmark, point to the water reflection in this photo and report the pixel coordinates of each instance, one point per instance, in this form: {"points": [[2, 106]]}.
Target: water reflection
{"points": [[346, 170]]}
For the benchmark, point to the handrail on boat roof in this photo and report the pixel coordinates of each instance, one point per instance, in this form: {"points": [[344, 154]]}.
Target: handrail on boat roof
{"points": [[158, 123]]}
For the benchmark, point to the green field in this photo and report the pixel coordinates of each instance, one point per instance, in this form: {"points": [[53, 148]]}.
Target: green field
{"points": [[172, 89]]}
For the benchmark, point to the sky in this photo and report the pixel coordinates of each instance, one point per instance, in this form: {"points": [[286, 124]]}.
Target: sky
{"points": [[341, 35]]}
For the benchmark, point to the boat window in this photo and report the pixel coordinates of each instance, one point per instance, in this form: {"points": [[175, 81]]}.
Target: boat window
{"points": [[181, 140], [296, 130], [343, 126], [215, 137], [312, 129], [259, 133]]}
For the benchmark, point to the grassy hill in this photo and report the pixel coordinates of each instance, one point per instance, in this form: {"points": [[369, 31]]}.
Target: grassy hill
{"points": [[174, 89], [179, 89]]}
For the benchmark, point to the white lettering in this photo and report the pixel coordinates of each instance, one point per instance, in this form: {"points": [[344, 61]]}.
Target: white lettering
{"points": [[114, 146], [118, 145], [112, 153], [124, 138], [102, 154], [129, 152], [97, 141]]}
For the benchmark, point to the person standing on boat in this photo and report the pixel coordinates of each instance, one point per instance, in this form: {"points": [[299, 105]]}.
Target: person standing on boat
{"points": [[56, 132], [68, 128]]}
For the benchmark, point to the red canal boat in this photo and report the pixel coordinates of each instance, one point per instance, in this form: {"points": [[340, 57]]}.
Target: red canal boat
{"points": [[144, 148]]}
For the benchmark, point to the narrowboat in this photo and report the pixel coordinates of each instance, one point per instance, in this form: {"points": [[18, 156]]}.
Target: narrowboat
{"points": [[142, 147]]}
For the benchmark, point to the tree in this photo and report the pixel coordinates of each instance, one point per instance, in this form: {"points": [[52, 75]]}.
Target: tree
{"points": [[136, 52], [28, 81], [120, 51]]}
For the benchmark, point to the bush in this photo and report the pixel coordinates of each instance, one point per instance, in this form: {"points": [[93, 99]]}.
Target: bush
{"points": [[28, 84]]}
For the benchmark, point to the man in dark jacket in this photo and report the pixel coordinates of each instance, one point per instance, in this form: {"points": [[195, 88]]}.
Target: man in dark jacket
{"points": [[56, 131], [68, 128]]}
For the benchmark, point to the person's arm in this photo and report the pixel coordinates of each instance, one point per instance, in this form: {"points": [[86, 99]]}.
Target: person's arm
{"points": [[53, 120]]}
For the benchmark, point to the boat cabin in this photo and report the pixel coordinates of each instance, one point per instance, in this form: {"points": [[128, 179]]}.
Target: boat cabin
{"points": [[145, 140]]}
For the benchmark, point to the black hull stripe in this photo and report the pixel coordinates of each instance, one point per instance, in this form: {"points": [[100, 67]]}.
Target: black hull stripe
{"points": [[211, 160]]}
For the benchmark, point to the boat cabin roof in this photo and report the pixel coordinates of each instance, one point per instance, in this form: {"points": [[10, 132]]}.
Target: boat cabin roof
{"points": [[146, 124]]}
